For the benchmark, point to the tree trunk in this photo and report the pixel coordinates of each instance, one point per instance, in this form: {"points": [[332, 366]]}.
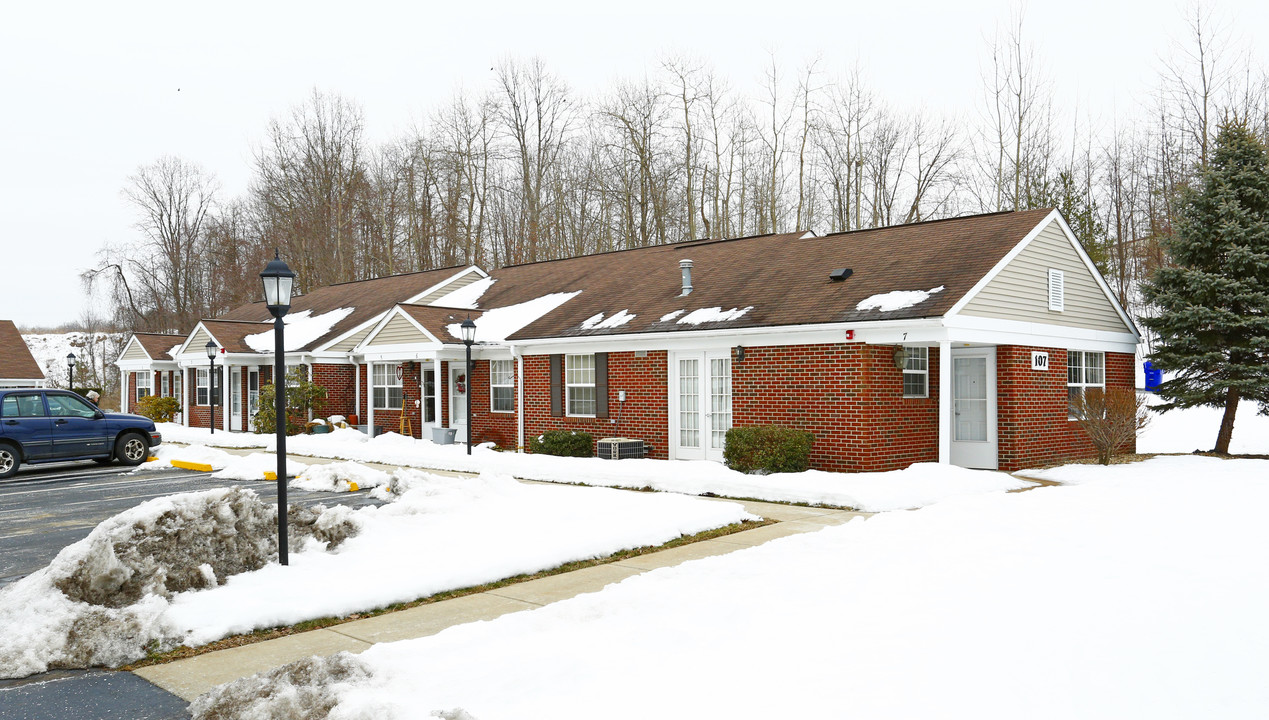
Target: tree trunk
{"points": [[1227, 422]]}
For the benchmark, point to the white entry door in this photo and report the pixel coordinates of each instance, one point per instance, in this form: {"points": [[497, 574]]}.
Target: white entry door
{"points": [[458, 389], [700, 410], [235, 399], [974, 440]]}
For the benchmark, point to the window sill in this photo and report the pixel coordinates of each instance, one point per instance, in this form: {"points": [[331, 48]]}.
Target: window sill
{"points": [[583, 417], [503, 412]]}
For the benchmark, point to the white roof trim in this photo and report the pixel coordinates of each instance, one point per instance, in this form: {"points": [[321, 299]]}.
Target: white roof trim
{"points": [[465, 271], [133, 339], [192, 333]]}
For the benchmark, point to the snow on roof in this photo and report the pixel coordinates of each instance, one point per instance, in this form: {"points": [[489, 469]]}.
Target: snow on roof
{"points": [[597, 322], [498, 324], [466, 296], [897, 299], [714, 314], [670, 316], [302, 328], [175, 349]]}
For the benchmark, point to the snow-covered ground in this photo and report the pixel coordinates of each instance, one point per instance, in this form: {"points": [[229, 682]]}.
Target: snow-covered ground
{"points": [[50, 351], [1141, 595], [1182, 431], [442, 533], [916, 486]]}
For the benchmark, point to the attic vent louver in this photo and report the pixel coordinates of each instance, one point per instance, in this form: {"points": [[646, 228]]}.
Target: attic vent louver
{"points": [[686, 266], [840, 274]]}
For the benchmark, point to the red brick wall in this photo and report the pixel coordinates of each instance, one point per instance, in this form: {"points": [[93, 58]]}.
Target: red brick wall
{"points": [[849, 396], [1032, 407], [645, 415]]}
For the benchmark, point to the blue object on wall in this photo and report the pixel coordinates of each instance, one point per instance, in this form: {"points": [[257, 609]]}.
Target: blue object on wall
{"points": [[1154, 376]]}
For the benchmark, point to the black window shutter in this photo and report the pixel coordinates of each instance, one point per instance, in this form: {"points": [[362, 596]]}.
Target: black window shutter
{"points": [[601, 385], [557, 386]]}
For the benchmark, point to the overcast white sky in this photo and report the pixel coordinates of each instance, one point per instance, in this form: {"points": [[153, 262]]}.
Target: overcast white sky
{"points": [[90, 91]]}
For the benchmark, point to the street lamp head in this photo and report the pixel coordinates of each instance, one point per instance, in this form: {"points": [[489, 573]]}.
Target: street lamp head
{"points": [[212, 349], [278, 279], [70, 360], [469, 332]]}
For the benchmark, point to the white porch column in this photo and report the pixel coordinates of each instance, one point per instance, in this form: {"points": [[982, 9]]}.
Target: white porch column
{"points": [[945, 402], [226, 407], [356, 390], [520, 403], [370, 399], [436, 391]]}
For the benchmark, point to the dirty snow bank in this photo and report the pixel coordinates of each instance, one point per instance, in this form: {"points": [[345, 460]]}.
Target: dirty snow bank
{"points": [[303, 689], [102, 600], [339, 477], [1131, 598]]}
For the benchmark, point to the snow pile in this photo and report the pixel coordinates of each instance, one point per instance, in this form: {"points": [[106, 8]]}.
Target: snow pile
{"points": [[303, 689], [338, 477], [50, 351], [466, 297], [597, 322], [500, 323], [1196, 429], [708, 315], [445, 533], [255, 465], [1131, 598], [302, 328], [896, 300], [103, 600]]}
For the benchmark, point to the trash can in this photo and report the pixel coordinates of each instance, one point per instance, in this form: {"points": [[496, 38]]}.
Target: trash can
{"points": [[444, 435], [1154, 376]]}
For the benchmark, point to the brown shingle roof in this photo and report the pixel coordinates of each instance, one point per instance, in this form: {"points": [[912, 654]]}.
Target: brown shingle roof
{"points": [[158, 346], [368, 298], [785, 278], [230, 334], [16, 361]]}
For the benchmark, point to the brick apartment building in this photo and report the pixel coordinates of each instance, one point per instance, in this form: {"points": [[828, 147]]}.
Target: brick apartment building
{"points": [[957, 341]]}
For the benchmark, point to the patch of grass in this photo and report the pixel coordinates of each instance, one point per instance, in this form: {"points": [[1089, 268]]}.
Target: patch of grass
{"points": [[183, 652]]}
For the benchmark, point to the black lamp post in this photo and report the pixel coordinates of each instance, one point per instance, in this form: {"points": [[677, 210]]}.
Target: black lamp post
{"points": [[469, 337], [278, 279], [211, 382], [70, 371]]}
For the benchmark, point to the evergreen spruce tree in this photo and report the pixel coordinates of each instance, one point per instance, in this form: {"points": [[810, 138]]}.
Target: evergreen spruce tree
{"points": [[1212, 307]]}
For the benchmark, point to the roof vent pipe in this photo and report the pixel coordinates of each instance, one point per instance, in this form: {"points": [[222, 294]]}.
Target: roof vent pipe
{"points": [[686, 266]]}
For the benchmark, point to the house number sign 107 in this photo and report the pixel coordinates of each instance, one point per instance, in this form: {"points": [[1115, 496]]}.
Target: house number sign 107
{"points": [[1039, 360]]}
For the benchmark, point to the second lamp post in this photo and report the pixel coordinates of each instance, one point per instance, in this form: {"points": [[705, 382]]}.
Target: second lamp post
{"points": [[278, 279], [469, 337], [211, 382]]}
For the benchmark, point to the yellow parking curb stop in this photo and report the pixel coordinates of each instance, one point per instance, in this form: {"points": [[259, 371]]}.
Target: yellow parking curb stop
{"points": [[201, 467]]}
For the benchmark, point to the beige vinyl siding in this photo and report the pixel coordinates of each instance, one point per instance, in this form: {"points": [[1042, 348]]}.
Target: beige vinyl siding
{"points": [[1021, 290], [197, 343], [351, 342], [134, 352], [398, 331], [448, 288]]}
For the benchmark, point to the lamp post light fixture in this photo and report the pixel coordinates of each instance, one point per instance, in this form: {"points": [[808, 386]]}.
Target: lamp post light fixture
{"points": [[211, 382], [469, 337], [70, 371], [278, 280]]}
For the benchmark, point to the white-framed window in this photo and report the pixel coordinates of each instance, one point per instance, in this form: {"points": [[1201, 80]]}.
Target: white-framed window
{"points": [[145, 384], [1057, 290], [176, 386], [202, 393], [502, 386], [165, 390], [1084, 370], [429, 394], [916, 372], [579, 385], [385, 386]]}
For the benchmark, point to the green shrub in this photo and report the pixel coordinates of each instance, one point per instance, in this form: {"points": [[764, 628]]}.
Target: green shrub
{"points": [[158, 409], [768, 449], [564, 443], [301, 397]]}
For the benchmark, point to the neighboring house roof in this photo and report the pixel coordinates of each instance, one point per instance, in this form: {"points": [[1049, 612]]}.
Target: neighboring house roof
{"points": [[16, 361], [159, 346], [766, 280], [368, 300]]}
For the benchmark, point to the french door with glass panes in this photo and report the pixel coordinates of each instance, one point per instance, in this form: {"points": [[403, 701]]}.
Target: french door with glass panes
{"points": [[700, 404]]}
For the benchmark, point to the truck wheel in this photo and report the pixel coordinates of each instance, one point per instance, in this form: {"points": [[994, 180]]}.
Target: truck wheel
{"points": [[9, 460], [131, 449]]}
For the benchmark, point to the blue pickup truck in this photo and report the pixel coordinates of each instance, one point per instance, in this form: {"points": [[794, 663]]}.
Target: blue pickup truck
{"points": [[38, 426]]}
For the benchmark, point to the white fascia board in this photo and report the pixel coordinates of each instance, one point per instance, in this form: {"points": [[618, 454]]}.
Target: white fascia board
{"points": [[1101, 282], [133, 365], [386, 353], [1000, 266], [969, 329], [332, 358], [465, 271], [22, 382]]}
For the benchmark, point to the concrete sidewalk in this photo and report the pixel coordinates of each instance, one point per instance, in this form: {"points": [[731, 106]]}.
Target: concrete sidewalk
{"points": [[194, 676]]}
